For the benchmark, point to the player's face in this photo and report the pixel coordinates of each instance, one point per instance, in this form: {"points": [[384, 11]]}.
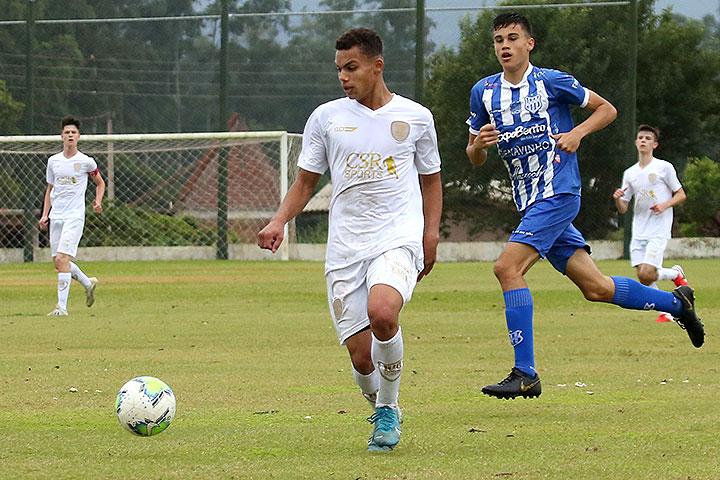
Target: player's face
{"points": [[358, 73], [70, 135], [512, 47], [645, 142]]}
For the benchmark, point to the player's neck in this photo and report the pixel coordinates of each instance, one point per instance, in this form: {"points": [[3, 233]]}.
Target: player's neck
{"points": [[644, 158], [378, 98], [70, 151], [515, 75]]}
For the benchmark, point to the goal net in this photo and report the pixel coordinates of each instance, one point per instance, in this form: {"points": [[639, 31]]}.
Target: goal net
{"points": [[173, 195]]}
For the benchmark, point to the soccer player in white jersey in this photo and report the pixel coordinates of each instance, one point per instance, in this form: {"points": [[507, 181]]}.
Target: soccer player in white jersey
{"points": [[525, 111], [381, 150], [654, 184], [64, 210]]}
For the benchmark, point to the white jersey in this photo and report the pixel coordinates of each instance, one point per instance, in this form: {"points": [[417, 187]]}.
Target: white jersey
{"points": [[374, 157], [655, 183], [69, 178]]}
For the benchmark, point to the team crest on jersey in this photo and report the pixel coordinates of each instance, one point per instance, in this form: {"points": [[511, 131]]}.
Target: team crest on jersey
{"points": [[399, 130], [652, 178], [77, 166], [533, 103]]}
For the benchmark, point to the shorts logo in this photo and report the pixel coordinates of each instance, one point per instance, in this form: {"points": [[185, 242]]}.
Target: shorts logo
{"points": [[516, 337], [399, 130], [337, 307], [533, 103]]}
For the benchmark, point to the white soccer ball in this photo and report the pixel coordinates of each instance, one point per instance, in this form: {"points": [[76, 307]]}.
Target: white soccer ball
{"points": [[145, 406]]}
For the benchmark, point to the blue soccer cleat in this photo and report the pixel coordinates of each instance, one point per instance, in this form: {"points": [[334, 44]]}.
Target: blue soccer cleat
{"points": [[386, 429]]}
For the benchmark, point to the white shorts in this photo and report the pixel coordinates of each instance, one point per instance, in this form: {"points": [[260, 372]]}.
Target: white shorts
{"points": [[648, 251], [65, 235], [348, 288]]}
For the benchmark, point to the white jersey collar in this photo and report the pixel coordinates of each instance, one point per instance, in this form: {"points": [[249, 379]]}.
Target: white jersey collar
{"points": [[521, 83]]}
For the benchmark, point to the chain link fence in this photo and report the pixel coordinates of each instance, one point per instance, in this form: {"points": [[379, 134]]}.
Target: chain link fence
{"points": [[126, 68], [163, 190]]}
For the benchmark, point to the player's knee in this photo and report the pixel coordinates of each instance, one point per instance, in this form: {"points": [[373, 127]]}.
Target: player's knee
{"points": [[503, 270], [384, 321]]}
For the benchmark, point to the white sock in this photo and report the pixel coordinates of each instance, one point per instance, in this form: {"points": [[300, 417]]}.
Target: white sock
{"points": [[79, 275], [667, 273], [388, 358], [63, 289], [368, 384]]}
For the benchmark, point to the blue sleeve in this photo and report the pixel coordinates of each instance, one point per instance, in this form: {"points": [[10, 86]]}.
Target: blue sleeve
{"points": [[478, 114], [567, 89]]}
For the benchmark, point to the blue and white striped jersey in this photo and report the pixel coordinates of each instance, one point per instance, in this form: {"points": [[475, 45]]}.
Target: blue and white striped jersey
{"points": [[526, 115]]}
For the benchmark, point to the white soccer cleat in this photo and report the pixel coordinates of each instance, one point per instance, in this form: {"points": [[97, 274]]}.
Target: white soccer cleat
{"points": [[90, 292], [58, 312]]}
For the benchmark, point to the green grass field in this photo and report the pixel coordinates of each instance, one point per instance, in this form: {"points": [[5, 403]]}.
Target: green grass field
{"points": [[264, 391]]}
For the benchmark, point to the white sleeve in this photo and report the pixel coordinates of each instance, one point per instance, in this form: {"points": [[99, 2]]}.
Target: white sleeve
{"points": [[91, 165], [313, 156], [627, 186], [49, 176], [427, 156], [672, 178]]}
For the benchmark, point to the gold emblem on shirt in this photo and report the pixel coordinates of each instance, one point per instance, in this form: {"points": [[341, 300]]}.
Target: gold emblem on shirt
{"points": [[399, 130], [391, 167]]}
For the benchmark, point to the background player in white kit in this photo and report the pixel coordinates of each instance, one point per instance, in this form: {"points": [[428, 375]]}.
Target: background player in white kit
{"points": [[383, 223], [656, 188], [64, 209]]}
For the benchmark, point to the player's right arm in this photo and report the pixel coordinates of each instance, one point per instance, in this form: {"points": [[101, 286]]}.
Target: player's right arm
{"points": [[44, 218], [299, 194], [620, 203], [477, 146]]}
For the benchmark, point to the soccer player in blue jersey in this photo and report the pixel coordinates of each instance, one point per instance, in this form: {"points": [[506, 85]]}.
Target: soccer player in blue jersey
{"points": [[525, 111]]}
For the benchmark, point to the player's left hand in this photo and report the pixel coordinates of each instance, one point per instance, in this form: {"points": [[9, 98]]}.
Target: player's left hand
{"points": [[97, 206], [430, 253], [568, 141], [658, 208]]}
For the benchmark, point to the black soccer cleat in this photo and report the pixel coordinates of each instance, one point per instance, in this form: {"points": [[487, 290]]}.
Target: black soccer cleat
{"points": [[517, 384], [688, 319]]}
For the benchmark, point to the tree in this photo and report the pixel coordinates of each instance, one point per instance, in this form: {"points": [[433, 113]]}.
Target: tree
{"points": [[702, 208], [10, 112], [591, 44]]}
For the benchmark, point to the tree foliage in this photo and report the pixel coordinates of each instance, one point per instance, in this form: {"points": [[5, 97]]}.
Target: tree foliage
{"points": [[702, 208], [677, 93]]}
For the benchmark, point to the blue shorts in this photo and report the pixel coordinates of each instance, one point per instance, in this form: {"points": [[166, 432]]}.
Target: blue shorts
{"points": [[547, 226]]}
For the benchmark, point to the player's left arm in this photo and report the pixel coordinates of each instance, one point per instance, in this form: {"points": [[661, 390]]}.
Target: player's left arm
{"points": [[677, 198], [99, 190], [603, 113], [431, 186]]}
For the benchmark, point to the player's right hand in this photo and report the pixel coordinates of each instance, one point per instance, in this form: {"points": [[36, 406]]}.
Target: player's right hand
{"points": [[270, 237], [487, 136], [618, 193], [43, 223]]}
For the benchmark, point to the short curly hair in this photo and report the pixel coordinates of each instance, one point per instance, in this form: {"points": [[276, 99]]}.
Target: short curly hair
{"points": [[368, 40]]}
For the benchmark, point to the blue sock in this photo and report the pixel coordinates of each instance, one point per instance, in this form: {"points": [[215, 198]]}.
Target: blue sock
{"points": [[636, 296], [519, 318]]}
